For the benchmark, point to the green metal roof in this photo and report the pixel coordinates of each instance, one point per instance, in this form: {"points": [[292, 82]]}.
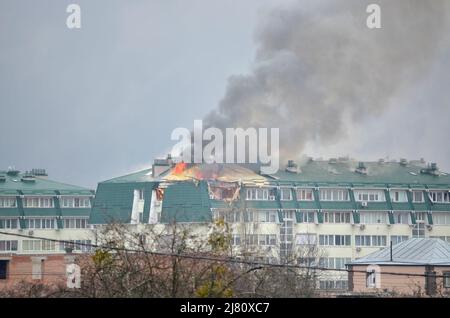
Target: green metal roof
{"points": [[139, 176], [186, 202], [113, 203], [378, 174], [40, 212], [75, 212], [40, 186]]}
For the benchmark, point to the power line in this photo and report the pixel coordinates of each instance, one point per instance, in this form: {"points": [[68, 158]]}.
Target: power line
{"points": [[217, 259]]}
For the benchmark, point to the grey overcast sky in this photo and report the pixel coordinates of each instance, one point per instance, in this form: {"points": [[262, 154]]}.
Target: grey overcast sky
{"points": [[102, 101]]}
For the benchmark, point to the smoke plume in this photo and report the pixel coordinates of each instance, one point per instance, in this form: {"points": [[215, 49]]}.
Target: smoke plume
{"points": [[316, 71]]}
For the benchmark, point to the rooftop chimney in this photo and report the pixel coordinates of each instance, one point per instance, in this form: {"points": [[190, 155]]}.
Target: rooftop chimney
{"points": [[361, 168], [292, 167], [12, 172], [161, 165], [432, 169], [39, 172]]}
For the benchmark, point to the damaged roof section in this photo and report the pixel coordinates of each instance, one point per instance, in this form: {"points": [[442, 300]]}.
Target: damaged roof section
{"points": [[218, 172]]}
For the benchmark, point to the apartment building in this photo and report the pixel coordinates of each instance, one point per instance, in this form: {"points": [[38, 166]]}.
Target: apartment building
{"points": [[34, 206], [340, 209]]}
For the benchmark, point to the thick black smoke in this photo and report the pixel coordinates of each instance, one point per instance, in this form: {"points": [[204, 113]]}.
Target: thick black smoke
{"points": [[317, 71]]}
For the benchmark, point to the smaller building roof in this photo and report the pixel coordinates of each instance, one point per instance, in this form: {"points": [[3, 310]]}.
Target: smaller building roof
{"points": [[17, 183], [415, 251]]}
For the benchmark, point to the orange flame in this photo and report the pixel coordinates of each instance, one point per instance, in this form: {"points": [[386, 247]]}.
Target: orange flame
{"points": [[179, 168]]}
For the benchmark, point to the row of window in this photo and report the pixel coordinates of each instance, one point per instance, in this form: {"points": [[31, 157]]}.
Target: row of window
{"points": [[333, 284], [334, 262], [7, 202], [263, 216], [8, 245], [43, 245], [343, 195], [44, 223], [46, 202], [336, 217], [370, 240], [255, 239], [360, 240], [335, 240], [73, 202]]}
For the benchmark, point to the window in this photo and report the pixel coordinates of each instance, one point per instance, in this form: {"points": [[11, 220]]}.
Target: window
{"points": [[8, 246], [141, 194], [371, 279], [74, 223], [333, 195], [267, 216], [334, 240], [38, 202], [4, 269], [306, 239], [75, 202], [267, 239], [439, 196], [31, 245], [261, 216], [76, 245], [401, 217], [8, 223], [260, 194], [235, 240], [334, 262], [305, 195], [369, 195], [447, 279], [233, 217], [333, 284], [251, 239], [286, 194], [7, 202], [306, 261], [373, 217], [306, 217], [417, 196], [395, 239], [45, 223], [399, 196], [441, 218], [370, 240], [38, 245], [418, 230], [336, 217]]}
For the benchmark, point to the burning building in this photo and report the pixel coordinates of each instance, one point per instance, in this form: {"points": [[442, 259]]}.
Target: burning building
{"points": [[346, 208]]}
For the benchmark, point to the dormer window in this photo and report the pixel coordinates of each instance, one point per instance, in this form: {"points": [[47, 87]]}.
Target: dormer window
{"points": [[286, 194], [399, 196], [305, 195], [38, 202], [75, 202], [417, 196]]}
